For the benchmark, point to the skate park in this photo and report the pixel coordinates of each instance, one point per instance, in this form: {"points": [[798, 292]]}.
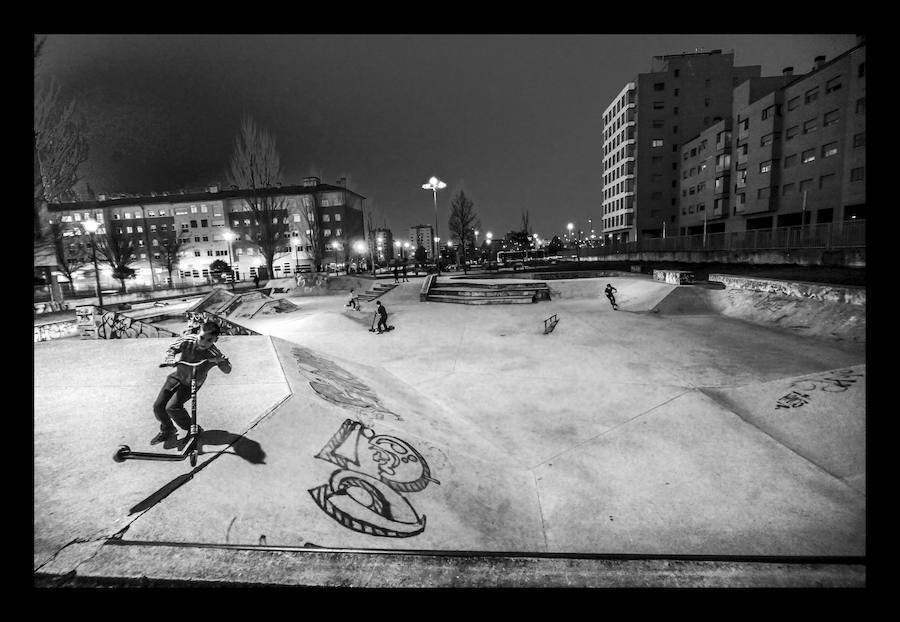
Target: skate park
{"points": [[695, 423]]}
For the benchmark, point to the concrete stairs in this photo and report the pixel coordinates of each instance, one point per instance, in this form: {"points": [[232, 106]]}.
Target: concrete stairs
{"points": [[489, 293], [377, 291]]}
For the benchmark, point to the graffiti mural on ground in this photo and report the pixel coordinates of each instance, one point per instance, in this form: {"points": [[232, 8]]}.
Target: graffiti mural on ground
{"points": [[366, 494], [831, 382], [197, 319], [99, 323], [335, 384], [55, 330]]}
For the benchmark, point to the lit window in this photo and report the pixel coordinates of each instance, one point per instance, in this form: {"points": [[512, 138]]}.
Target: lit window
{"points": [[829, 150], [204, 208], [128, 229], [77, 216], [808, 156], [326, 218], [193, 209], [765, 167], [337, 217], [127, 215]]}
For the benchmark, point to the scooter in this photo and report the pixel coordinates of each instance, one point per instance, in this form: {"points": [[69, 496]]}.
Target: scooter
{"points": [[191, 447]]}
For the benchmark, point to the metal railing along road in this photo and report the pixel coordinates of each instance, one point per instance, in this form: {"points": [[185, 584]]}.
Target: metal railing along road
{"points": [[848, 234]]}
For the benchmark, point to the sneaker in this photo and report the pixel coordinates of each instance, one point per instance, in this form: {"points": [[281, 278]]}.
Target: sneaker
{"points": [[164, 435]]}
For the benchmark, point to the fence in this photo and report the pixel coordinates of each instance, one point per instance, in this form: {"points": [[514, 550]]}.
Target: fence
{"points": [[848, 234]]}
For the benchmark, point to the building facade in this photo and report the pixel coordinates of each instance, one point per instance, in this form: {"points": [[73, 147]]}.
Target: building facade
{"points": [[644, 129], [422, 235], [796, 155], [312, 214]]}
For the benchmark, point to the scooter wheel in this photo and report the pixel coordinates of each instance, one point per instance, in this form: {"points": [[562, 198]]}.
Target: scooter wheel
{"points": [[119, 456], [193, 458]]}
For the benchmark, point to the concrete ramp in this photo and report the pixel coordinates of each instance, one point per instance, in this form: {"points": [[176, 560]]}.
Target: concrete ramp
{"points": [[357, 459], [686, 300], [92, 396], [821, 416]]}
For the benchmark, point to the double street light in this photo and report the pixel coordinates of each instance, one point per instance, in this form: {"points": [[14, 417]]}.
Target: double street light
{"points": [[434, 184]]}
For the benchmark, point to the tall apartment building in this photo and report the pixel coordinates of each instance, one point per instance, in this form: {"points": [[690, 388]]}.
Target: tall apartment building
{"points": [[422, 235], [644, 129], [200, 220], [384, 245], [796, 154]]}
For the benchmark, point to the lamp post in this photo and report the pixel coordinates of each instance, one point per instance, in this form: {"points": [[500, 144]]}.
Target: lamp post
{"points": [[399, 248], [334, 245], [229, 236], [359, 247], [403, 256], [437, 245], [91, 227], [434, 184], [571, 226]]}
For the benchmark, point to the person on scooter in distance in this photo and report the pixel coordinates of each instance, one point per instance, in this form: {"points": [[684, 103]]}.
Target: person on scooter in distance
{"points": [[169, 404]]}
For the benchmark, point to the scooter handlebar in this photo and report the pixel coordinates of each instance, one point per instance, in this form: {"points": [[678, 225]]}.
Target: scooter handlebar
{"points": [[197, 364]]}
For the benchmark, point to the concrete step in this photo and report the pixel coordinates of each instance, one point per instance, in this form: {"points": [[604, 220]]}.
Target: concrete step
{"points": [[480, 293], [513, 286], [483, 300]]}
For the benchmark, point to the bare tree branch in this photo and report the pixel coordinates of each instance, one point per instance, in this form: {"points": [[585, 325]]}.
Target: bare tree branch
{"points": [[256, 166], [463, 222]]}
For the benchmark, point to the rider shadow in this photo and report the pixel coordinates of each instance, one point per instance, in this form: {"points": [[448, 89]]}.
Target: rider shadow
{"points": [[236, 444], [239, 445]]}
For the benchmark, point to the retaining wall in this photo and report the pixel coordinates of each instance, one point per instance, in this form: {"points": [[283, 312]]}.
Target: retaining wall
{"points": [[796, 289]]}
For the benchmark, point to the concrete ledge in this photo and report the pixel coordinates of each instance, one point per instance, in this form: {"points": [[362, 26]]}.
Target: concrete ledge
{"points": [[795, 289], [56, 330], [164, 564], [426, 286], [674, 277]]}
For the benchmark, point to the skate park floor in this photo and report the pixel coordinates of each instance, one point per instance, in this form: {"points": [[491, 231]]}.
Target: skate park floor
{"points": [[466, 429]]}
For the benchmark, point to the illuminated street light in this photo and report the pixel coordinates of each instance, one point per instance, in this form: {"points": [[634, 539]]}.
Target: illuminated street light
{"points": [[571, 226], [434, 184], [229, 236], [91, 227]]}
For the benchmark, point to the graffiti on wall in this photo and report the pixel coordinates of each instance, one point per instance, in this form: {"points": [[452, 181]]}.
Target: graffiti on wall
{"points": [[50, 306], [366, 492], [335, 384], [197, 319], [55, 330], [309, 283], [831, 382], [99, 323]]}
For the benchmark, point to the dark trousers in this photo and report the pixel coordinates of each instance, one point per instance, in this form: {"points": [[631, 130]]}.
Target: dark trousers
{"points": [[169, 406], [382, 321]]}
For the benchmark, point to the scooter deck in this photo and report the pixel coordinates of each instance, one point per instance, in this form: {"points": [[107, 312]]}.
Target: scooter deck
{"points": [[125, 453]]}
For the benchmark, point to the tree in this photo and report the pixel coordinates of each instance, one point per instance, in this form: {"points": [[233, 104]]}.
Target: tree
{"points": [[69, 259], [463, 222], [256, 166], [554, 245], [525, 226], [421, 255], [117, 250], [170, 245]]}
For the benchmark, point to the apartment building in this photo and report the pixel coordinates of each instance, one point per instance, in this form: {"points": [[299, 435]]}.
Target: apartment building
{"points": [[644, 129], [384, 245], [200, 220], [797, 154], [422, 235]]}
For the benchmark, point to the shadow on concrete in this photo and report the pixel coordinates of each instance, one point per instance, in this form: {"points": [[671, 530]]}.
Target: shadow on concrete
{"points": [[239, 445]]}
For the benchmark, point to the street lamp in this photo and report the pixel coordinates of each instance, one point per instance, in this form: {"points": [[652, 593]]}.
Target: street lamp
{"points": [[335, 245], [434, 184], [571, 226], [91, 227], [398, 246], [229, 236], [359, 247]]}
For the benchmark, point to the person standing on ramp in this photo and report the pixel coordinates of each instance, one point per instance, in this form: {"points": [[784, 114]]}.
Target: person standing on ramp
{"points": [[610, 291], [382, 317]]}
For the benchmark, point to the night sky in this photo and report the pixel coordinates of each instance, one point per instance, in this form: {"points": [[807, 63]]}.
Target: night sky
{"points": [[513, 120]]}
